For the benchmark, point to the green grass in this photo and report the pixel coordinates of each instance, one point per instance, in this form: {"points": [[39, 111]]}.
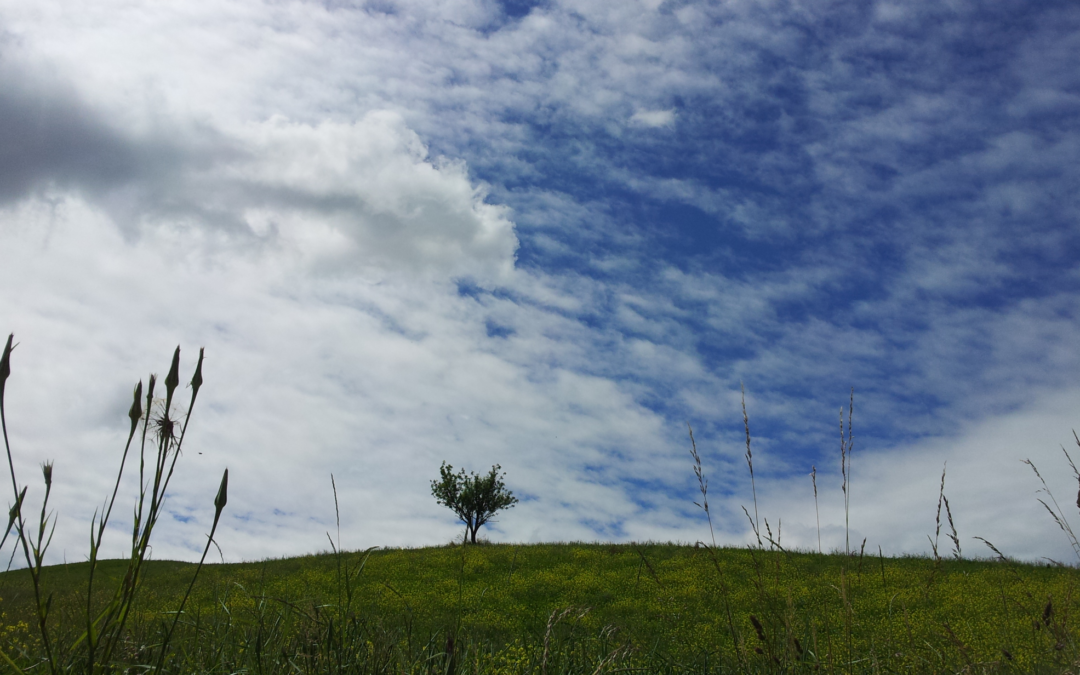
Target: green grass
{"points": [[652, 606]]}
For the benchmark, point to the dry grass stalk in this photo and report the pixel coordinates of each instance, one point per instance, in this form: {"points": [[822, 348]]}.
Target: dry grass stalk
{"points": [[773, 543], [617, 654], [845, 470], [817, 512], [1058, 515], [754, 522], [703, 484], [648, 566], [937, 519], [553, 620], [953, 536], [1000, 555]]}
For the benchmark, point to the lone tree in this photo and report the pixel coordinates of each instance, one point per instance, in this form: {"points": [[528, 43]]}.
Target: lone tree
{"points": [[475, 499]]}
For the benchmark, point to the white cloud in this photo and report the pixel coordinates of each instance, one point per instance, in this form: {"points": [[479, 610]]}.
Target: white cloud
{"points": [[653, 118], [364, 194], [360, 197]]}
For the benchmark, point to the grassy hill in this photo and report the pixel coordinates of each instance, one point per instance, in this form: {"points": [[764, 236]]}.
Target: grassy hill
{"points": [[569, 608]]}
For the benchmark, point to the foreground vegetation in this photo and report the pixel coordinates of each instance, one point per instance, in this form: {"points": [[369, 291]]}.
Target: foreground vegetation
{"points": [[573, 608]]}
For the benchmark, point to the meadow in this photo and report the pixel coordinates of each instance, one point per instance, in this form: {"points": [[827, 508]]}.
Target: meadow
{"points": [[515, 609], [574, 608]]}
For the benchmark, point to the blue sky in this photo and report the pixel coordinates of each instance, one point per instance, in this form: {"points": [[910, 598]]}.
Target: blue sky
{"points": [[548, 235]]}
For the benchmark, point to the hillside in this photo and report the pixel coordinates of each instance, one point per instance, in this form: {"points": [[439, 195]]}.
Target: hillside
{"points": [[588, 607]]}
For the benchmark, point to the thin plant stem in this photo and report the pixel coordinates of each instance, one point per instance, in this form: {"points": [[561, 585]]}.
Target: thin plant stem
{"points": [[703, 484], [135, 415], [219, 505], [750, 463], [817, 513], [1056, 513], [5, 371], [34, 555], [845, 470], [937, 518]]}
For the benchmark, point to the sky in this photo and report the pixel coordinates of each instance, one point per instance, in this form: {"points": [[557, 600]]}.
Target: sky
{"points": [[549, 236]]}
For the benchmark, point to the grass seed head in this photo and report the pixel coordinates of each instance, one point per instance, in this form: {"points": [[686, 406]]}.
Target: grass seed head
{"points": [[758, 628], [166, 429]]}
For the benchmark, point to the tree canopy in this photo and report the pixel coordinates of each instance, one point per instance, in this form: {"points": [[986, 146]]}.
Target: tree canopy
{"points": [[474, 498]]}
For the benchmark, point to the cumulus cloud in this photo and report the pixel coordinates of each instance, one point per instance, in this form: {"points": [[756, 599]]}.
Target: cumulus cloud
{"points": [[365, 194], [51, 138], [354, 196]]}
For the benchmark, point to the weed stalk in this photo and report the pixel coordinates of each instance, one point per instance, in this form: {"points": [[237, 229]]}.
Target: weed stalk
{"points": [[845, 470], [754, 522], [703, 484]]}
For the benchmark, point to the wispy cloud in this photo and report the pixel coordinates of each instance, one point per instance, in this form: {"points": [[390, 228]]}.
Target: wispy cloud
{"points": [[653, 118]]}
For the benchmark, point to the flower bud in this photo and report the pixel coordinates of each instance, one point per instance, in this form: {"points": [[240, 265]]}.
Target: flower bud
{"points": [[196, 379], [16, 509], [173, 378], [5, 364], [222, 493], [135, 413]]}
